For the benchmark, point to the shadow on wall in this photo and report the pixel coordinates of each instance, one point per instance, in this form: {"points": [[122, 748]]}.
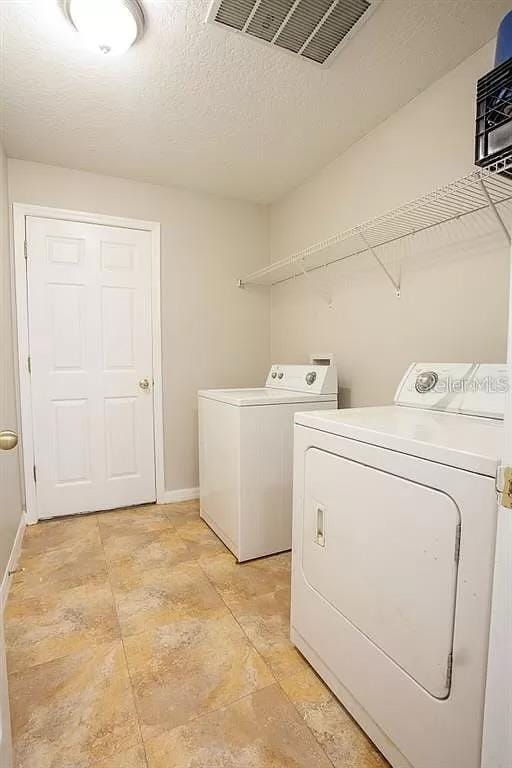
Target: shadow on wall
{"points": [[344, 397]]}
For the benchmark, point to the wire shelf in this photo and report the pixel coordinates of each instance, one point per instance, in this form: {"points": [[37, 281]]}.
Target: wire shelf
{"points": [[483, 189]]}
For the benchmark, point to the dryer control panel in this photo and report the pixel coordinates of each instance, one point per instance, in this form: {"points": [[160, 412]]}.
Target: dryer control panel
{"points": [[475, 389], [316, 379]]}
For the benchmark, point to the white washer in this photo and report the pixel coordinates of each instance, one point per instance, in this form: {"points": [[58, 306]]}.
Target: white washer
{"points": [[246, 455], [394, 527]]}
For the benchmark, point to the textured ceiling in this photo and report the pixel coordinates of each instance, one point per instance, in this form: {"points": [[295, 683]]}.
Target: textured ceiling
{"points": [[198, 106]]}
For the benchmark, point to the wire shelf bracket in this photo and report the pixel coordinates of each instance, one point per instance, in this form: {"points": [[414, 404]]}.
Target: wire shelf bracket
{"points": [[497, 214], [381, 264], [326, 296]]}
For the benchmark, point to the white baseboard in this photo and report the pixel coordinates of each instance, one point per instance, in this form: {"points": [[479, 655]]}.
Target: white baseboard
{"points": [[11, 565], [183, 494]]}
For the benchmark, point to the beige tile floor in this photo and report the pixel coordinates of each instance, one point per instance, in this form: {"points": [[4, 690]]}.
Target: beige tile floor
{"points": [[135, 640]]}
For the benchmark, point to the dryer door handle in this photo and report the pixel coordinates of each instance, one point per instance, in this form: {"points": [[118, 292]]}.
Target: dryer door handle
{"points": [[320, 525]]}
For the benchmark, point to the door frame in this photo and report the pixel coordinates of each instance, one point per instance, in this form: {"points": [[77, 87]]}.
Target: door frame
{"points": [[497, 734], [20, 211]]}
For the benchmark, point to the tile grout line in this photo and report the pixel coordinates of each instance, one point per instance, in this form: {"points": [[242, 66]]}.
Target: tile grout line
{"points": [[249, 641], [306, 724], [232, 615], [235, 701], [44, 596], [276, 681], [109, 570], [202, 714], [132, 688], [209, 712], [143, 741], [212, 584]]}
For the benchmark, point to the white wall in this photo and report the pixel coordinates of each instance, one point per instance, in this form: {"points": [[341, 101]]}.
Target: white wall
{"points": [[454, 298], [10, 481], [213, 334]]}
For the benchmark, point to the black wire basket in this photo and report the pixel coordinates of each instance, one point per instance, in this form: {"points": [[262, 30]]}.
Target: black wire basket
{"points": [[493, 139]]}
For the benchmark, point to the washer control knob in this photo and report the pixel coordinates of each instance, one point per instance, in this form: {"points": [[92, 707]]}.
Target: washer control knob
{"points": [[426, 381], [274, 374], [310, 377], [280, 375]]}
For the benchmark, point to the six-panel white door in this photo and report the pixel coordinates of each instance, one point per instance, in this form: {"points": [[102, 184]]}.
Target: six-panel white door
{"points": [[90, 331]]}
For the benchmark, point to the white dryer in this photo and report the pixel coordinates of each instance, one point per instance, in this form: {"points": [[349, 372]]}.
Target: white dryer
{"points": [[394, 527], [246, 455]]}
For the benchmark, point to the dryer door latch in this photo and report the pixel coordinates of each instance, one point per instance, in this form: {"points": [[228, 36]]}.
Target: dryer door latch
{"points": [[504, 486], [320, 526]]}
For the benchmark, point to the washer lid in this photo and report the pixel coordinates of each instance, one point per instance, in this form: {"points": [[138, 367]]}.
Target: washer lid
{"points": [[468, 442], [263, 396]]}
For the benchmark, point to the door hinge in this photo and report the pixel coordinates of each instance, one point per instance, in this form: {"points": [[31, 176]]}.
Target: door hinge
{"points": [[35, 473], [504, 486], [458, 534], [25, 249], [29, 364], [449, 671]]}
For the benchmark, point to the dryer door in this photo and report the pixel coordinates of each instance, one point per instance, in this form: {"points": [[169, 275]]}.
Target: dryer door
{"points": [[383, 551]]}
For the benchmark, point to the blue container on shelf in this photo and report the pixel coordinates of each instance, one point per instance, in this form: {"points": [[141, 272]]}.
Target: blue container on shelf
{"points": [[504, 40]]}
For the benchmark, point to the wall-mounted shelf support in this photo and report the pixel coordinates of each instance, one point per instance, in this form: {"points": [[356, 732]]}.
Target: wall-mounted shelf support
{"points": [[325, 296], [381, 264], [497, 214]]}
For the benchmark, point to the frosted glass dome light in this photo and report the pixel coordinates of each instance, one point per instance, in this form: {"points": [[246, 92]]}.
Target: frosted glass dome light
{"points": [[110, 26]]}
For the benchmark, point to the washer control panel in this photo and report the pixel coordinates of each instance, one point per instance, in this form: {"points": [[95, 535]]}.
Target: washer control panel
{"points": [[317, 379], [475, 389]]}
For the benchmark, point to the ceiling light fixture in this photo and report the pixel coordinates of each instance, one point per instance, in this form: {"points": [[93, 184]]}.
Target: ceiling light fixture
{"points": [[110, 26]]}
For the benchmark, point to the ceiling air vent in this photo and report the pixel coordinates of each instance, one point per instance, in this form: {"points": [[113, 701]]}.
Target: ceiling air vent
{"points": [[312, 29]]}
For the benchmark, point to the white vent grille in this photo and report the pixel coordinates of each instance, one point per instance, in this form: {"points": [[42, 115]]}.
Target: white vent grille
{"points": [[312, 29]]}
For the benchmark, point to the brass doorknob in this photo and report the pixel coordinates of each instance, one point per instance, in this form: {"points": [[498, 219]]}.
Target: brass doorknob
{"points": [[144, 383], [8, 440]]}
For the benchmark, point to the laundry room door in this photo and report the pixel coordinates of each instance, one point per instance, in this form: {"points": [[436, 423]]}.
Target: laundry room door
{"points": [[90, 344]]}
